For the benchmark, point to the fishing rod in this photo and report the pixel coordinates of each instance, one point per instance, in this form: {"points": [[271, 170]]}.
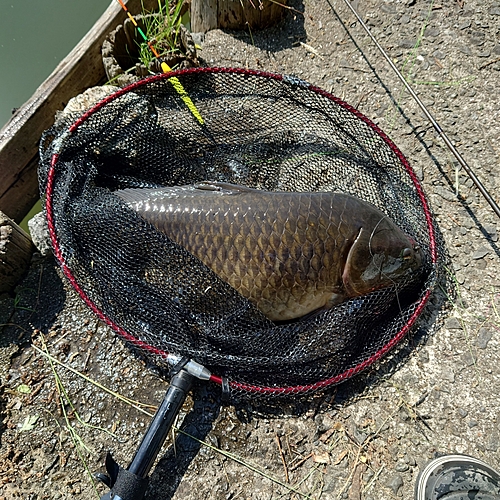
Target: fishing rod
{"points": [[426, 112]]}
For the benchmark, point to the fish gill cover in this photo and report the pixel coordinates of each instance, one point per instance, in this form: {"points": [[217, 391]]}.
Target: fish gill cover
{"points": [[259, 130]]}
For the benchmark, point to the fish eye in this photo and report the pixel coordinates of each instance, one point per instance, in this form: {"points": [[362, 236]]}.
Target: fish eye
{"points": [[406, 254]]}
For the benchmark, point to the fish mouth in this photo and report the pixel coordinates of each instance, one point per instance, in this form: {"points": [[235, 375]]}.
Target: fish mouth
{"points": [[348, 285]]}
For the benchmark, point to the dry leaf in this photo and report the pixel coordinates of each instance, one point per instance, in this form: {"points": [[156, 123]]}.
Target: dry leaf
{"points": [[29, 423], [338, 426], [340, 457], [324, 437], [322, 457]]}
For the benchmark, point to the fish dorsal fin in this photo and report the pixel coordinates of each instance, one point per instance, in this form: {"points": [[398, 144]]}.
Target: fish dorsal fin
{"points": [[224, 188]]}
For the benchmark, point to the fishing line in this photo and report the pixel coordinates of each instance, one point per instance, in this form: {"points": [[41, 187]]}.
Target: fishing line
{"points": [[166, 69], [426, 112]]}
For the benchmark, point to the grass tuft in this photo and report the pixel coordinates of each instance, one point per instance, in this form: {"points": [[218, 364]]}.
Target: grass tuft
{"points": [[162, 31]]}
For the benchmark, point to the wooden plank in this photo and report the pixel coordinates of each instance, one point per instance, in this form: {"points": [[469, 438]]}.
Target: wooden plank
{"points": [[19, 138], [203, 15], [235, 14], [16, 248]]}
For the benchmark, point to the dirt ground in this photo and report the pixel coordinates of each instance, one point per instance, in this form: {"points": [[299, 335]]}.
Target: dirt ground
{"points": [[366, 439]]}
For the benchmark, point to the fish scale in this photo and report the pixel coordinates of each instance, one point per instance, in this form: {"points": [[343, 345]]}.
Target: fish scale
{"points": [[290, 254]]}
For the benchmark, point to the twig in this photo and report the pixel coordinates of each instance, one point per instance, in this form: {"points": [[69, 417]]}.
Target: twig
{"points": [[86, 359], [311, 49], [351, 475], [300, 462], [78, 442], [488, 63], [13, 324], [373, 479], [355, 489], [362, 98], [287, 7], [282, 455]]}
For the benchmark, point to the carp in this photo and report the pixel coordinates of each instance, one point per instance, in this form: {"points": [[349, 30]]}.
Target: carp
{"points": [[289, 253]]}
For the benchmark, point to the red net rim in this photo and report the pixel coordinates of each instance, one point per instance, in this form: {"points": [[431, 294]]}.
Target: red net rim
{"points": [[241, 386]]}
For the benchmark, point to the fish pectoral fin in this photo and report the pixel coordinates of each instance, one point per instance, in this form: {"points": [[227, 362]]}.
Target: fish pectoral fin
{"points": [[223, 187], [334, 300], [350, 267]]}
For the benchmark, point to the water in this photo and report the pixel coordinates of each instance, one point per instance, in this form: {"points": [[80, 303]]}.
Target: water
{"points": [[35, 35]]}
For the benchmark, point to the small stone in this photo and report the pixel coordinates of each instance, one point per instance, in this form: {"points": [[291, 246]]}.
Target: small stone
{"points": [[423, 356], [490, 229], [395, 483], [494, 11], [468, 358], [401, 467], [453, 324], [480, 253], [403, 415], [462, 412], [439, 55], [368, 475], [432, 31], [407, 44], [496, 49], [472, 423], [481, 265], [198, 38], [465, 50], [40, 234], [466, 24], [448, 375], [483, 337], [484, 53], [388, 9], [435, 393], [445, 193], [492, 443]]}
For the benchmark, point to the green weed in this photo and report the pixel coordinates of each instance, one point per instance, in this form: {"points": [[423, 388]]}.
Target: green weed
{"points": [[162, 31]]}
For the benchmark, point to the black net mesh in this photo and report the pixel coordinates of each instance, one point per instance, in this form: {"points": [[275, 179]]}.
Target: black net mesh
{"points": [[263, 131]]}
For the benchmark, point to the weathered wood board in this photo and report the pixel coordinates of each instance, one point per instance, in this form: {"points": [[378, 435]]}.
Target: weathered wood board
{"points": [[16, 248], [235, 14], [19, 138]]}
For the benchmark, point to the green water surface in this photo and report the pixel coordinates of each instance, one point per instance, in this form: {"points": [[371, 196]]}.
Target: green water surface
{"points": [[35, 35]]}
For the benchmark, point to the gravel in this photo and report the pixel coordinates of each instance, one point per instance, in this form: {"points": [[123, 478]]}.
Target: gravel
{"points": [[367, 438]]}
